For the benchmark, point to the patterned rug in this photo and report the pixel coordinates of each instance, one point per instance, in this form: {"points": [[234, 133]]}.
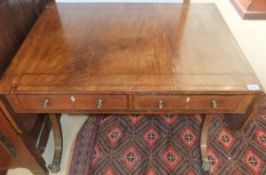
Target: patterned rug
{"points": [[167, 145]]}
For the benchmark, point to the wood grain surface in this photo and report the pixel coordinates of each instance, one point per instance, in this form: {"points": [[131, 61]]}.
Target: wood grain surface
{"points": [[129, 48], [16, 20], [131, 58], [23, 137]]}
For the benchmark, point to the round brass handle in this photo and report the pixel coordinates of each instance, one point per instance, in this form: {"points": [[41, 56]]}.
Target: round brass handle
{"points": [[161, 104], [214, 104], [45, 103], [99, 104]]}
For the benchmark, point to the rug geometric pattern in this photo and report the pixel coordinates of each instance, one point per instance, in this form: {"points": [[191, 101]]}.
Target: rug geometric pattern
{"points": [[169, 145]]}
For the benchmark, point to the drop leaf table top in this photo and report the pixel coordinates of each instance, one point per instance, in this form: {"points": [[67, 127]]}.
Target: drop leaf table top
{"points": [[129, 48], [131, 58]]}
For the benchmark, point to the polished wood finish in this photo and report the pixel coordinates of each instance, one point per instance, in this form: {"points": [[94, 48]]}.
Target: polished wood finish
{"points": [[131, 58], [250, 9], [33, 126], [204, 142], [5, 151], [194, 103], [18, 149], [227, 104], [44, 102], [252, 111], [140, 103], [23, 137], [58, 143], [240, 121], [16, 19], [68, 103], [123, 49]]}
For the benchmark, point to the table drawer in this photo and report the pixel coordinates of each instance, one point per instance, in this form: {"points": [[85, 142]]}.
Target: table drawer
{"points": [[160, 102], [100, 102], [69, 103], [183, 102], [44, 102], [215, 102]]}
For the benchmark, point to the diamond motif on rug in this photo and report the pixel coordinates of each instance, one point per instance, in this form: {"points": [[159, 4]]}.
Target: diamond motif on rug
{"points": [[170, 158], [226, 139], [151, 136], [260, 137], [188, 137], [253, 161], [131, 157], [114, 135], [174, 151], [213, 160]]}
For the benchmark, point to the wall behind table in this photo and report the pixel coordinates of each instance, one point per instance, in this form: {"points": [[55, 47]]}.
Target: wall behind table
{"points": [[16, 20]]}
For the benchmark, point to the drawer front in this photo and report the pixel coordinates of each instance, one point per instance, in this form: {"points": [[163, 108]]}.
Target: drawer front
{"points": [[225, 103], [139, 103], [68, 103], [100, 102], [44, 102], [184, 103], [160, 102]]}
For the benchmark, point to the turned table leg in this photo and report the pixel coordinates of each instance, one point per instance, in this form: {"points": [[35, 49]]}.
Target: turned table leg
{"points": [[204, 143], [58, 143]]}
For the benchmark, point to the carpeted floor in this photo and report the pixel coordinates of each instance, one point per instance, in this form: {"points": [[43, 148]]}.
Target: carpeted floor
{"points": [[167, 145]]}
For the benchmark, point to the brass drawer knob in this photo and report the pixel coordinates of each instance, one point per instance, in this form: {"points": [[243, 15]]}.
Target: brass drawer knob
{"points": [[99, 104], [45, 103], [161, 104], [214, 104]]}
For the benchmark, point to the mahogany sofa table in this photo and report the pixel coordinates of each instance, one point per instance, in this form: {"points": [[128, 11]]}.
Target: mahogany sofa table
{"points": [[132, 58]]}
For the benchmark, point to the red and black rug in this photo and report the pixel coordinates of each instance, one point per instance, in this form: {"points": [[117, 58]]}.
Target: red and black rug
{"points": [[167, 145]]}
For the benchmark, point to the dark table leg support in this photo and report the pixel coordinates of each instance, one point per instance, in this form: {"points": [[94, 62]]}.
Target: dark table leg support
{"points": [[240, 121], [204, 143], [58, 143], [251, 113]]}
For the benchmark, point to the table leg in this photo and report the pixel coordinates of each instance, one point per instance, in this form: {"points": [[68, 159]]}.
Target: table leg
{"points": [[252, 112], [19, 144], [58, 143], [204, 143]]}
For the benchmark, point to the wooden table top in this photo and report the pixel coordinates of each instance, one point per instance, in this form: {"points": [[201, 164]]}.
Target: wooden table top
{"points": [[129, 48]]}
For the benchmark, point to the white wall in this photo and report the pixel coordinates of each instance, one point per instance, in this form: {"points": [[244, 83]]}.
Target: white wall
{"points": [[150, 1]]}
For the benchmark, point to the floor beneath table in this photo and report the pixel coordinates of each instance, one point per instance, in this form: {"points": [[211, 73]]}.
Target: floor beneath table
{"points": [[167, 144], [251, 37]]}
